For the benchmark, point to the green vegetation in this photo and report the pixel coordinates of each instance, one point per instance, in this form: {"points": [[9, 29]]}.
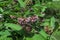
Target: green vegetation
{"points": [[29, 20]]}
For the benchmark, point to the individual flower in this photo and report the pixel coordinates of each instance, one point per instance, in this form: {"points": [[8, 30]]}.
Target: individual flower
{"points": [[20, 20], [34, 18], [27, 19]]}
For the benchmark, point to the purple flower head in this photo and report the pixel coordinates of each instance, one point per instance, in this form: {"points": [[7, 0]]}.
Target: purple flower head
{"points": [[27, 19], [20, 20], [34, 18]]}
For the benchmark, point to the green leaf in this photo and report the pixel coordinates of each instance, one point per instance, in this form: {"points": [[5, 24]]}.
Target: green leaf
{"points": [[5, 33], [37, 5], [13, 26], [56, 26], [1, 10], [26, 13], [35, 37], [52, 22], [5, 38], [38, 37], [42, 32], [41, 36], [56, 35], [46, 22], [43, 8], [41, 15], [22, 4]]}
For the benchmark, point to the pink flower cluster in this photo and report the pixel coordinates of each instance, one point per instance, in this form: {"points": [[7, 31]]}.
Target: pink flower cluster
{"points": [[27, 20]]}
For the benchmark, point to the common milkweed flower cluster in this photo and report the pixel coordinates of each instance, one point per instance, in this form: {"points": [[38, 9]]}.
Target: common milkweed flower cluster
{"points": [[28, 20]]}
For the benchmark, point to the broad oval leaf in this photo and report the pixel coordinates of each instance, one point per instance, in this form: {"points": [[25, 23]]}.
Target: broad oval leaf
{"points": [[13, 26]]}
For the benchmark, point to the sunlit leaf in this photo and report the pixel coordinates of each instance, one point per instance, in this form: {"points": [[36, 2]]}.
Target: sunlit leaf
{"points": [[1, 10], [42, 32], [22, 4], [13, 26], [36, 37], [52, 22]]}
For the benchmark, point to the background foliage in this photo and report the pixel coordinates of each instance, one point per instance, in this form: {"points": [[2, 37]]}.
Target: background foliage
{"points": [[29, 20]]}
